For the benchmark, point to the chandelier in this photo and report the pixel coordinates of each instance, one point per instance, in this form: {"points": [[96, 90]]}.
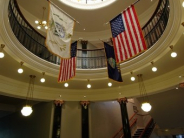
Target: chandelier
{"points": [[27, 109], [42, 23], [145, 101]]}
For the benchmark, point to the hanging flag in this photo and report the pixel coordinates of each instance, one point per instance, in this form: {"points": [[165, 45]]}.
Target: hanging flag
{"points": [[127, 35], [58, 40], [68, 66], [113, 69]]}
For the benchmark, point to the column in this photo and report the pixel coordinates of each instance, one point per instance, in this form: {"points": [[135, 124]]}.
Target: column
{"points": [[85, 120], [125, 119], [57, 119]]}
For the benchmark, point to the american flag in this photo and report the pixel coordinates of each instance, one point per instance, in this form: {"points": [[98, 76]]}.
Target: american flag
{"points": [[68, 66], [127, 35]]}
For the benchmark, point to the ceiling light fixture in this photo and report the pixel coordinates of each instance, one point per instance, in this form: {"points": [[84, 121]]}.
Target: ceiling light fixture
{"points": [[42, 23], [154, 69], [132, 77], [27, 109], [183, 3], [42, 80], [66, 84], [145, 101], [1, 51], [88, 85], [173, 54], [109, 84], [20, 70]]}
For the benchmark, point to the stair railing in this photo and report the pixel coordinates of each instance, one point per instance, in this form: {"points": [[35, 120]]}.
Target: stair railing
{"points": [[132, 122], [146, 128]]}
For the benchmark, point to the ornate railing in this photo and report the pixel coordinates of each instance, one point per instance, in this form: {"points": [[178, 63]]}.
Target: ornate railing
{"points": [[35, 42]]}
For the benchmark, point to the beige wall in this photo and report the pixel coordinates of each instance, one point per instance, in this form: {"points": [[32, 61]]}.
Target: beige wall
{"points": [[105, 118], [71, 120]]}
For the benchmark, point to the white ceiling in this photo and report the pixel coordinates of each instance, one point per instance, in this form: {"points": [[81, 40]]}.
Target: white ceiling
{"points": [[91, 20]]}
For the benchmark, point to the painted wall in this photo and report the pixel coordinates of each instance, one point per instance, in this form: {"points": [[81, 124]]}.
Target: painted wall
{"points": [[71, 120], [105, 118], [35, 126]]}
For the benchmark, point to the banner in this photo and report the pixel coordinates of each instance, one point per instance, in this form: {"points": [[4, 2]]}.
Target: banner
{"points": [[58, 40], [114, 71], [127, 35], [68, 66]]}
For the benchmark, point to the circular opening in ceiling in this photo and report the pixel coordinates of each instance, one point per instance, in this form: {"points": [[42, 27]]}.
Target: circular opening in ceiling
{"points": [[87, 4]]}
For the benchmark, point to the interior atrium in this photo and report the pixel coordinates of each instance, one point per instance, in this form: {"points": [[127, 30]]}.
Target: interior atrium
{"points": [[91, 104]]}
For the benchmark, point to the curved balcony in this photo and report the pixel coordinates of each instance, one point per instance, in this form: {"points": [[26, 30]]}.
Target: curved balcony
{"points": [[94, 58]]}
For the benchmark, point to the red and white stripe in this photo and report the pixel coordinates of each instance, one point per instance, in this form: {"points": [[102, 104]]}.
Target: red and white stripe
{"points": [[67, 69], [130, 42]]}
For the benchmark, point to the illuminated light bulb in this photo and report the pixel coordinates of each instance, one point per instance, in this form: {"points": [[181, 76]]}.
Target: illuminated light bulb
{"points": [[146, 107], [36, 22], [1, 55], [66, 84], [20, 70], [46, 27], [132, 78], [154, 69], [26, 110], [42, 80], [44, 22], [89, 86], [38, 27], [173, 54], [109, 84], [183, 3]]}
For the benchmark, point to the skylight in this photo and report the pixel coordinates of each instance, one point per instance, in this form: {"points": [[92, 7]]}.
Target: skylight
{"points": [[87, 4]]}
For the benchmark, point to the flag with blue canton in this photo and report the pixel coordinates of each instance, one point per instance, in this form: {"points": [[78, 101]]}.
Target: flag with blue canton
{"points": [[127, 35], [113, 70], [68, 66]]}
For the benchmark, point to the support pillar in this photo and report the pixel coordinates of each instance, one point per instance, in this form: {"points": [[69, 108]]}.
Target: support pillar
{"points": [[85, 119], [56, 130], [125, 119]]}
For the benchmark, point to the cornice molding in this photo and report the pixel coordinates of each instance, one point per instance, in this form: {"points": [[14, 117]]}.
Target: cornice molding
{"points": [[158, 84]]}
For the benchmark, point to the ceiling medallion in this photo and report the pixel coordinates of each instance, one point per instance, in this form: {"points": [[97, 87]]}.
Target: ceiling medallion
{"points": [[87, 4]]}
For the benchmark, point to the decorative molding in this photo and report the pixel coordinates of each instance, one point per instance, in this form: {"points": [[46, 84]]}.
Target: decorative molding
{"points": [[58, 102], [122, 100]]}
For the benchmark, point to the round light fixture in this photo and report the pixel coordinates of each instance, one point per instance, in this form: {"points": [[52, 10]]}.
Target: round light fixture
{"points": [[1, 55], [173, 54], [36, 22], [20, 70], [146, 107], [42, 80], [46, 27], [26, 110], [132, 78], [89, 86], [38, 27], [44, 22], [109, 84], [66, 84], [154, 69], [183, 3]]}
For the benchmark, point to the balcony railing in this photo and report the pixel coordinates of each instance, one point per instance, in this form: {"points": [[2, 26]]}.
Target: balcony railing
{"points": [[35, 42]]}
